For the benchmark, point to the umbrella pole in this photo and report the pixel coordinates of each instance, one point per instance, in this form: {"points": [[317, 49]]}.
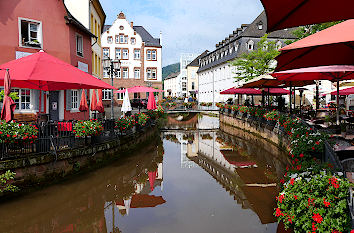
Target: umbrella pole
{"points": [[301, 102], [337, 102], [290, 96], [317, 96], [262, 98], [268, 99]]}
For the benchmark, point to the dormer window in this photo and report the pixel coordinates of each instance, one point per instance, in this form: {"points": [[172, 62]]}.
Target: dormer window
{"points": [[260, 25], [250, 45]]}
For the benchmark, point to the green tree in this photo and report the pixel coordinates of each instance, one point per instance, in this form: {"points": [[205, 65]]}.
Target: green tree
{"points": [[13, 95], [305, 31], [257, 62]]}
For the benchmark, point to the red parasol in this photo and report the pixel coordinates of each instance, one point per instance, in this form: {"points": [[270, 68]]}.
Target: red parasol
{"points": [[334, 73], [332, 46], [41, 71], [99, 106], [8, 104], [83, 102], [347, 91], [94, 101], [247, 91], [151, 105], [152, 178], [277, 91], [292, 13]]}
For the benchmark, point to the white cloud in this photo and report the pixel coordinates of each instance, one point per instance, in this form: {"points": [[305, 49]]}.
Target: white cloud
{"points": [[186, 25]]}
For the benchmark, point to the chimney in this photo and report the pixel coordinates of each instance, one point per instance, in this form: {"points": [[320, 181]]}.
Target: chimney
{"points": [[161, 38], [131, 24]]}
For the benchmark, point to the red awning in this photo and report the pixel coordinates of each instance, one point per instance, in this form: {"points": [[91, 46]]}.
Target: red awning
{"points": [[332, 46], [347, 91], [292, 13], [138, 89], [42, 71], [247, 91]]}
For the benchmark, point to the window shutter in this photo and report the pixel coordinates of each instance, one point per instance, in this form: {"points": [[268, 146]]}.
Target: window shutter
{"points": [[36, 99], [68, 100], [42, 102]]}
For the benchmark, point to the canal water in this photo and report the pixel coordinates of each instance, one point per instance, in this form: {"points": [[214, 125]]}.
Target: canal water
{"points": [[191, 178]]}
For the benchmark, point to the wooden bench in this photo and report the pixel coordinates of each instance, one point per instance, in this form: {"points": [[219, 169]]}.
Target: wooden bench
{"points": [[25, 117]]}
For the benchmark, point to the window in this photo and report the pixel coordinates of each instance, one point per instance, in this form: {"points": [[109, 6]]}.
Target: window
{"points": [[125, 39], [250, 45], [106, 94], [105, 52], [132, 40], [192, 85], [151, 55], [109, 40], [125, 54], [137, 73], [260, 26], [136, 95], [151, 73], [24, 101], [105, 74], [120, 96], [137, 54], [125, 73], [118, 53], [30, 33], [118, 74], [74, 99], [79, 46]]}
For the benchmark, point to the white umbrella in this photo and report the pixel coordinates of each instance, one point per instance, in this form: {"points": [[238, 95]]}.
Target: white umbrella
{"points": [[127, 205], [126, 107]]}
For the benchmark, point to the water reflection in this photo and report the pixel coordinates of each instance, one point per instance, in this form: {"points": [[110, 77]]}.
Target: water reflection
{"points": [[191, 178]]}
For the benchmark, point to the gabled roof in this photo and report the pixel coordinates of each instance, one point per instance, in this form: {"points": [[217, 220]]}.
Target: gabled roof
{"points": [[195, 62], [146, 37], [106, 28]]}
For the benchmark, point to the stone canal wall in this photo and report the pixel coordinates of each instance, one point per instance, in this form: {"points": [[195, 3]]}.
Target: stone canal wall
{"points": [[269, 133], [36, 169]]}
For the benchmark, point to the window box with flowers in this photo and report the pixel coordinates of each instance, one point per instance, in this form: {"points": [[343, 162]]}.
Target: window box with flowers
{"points": [[124, 124]]}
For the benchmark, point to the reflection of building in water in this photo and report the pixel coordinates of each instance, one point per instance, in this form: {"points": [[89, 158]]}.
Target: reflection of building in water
{"points": [[140, 199], [188, 144], [251, 184]]}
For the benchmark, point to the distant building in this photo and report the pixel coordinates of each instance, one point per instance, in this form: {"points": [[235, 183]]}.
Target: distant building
{"points": [[140, 55], [182, 81], [170, 85], [25, 31], [215, 73], [192, 76]]}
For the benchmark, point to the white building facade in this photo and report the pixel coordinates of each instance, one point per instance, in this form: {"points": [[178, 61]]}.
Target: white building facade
{"points": [[140, 56], [182, 80], [170, 85], [216, 74]]}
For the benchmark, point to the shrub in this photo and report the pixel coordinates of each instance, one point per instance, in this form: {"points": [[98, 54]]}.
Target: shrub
{"points": [[5, 182], [87, 128], [13, 132], [141, 118], [125, 123], [272, 115], [314, 203]]}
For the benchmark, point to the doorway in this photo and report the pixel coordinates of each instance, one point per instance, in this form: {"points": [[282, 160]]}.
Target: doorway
{"points": [[54, 106]]}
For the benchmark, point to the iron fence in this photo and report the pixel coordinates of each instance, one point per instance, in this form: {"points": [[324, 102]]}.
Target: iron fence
{"points": [[57, 136]]}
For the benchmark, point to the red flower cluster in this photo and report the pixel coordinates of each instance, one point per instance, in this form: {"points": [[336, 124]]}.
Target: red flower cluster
{"points": [[326, 203], [317, 218], [334, 182]]}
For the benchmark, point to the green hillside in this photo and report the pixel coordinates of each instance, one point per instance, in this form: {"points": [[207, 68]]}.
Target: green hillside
{"points": [[173, 68]]}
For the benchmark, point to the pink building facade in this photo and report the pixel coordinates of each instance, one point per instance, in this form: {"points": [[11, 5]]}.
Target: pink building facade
{"points": [[26, 29]]}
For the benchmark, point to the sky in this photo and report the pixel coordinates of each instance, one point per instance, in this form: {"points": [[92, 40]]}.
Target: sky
{"points": [[187, 26]]}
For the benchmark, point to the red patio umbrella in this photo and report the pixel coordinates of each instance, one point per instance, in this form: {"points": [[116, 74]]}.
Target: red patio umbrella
{"points": [[94, 101], [99, 106], [292, 13], [334, 73], [332, 46], [247, 91], [152, 178], [151, 105], [138, 89], [83, 102], [347, 91], [42, 71], [8, 104], [143, 201], [277, 91]]}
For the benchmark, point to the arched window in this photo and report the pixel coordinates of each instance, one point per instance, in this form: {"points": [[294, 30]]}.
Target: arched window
{"points": [[120, 96]]}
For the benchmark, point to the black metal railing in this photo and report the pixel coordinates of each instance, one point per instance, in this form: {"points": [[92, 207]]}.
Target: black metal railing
{"points": [[57, 136]]}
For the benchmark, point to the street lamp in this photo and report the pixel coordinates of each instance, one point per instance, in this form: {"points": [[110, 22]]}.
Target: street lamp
{"points": [[112, 67]]}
